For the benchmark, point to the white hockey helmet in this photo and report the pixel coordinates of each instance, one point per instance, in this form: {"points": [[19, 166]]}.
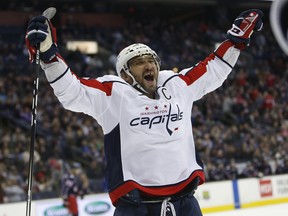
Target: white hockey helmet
{"points": [[134, 50]]}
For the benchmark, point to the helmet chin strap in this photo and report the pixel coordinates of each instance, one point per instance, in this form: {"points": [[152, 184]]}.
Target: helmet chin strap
{"points": [[135, 84]]}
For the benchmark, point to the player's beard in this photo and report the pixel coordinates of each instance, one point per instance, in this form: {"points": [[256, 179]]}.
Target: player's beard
{"points": [[150, 86]]}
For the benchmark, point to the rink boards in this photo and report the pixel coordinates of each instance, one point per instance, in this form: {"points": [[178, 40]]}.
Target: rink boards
{"points": [[243, 193]]}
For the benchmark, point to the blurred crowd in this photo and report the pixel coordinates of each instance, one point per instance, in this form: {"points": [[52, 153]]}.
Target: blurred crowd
{"points": [[241, 129]]}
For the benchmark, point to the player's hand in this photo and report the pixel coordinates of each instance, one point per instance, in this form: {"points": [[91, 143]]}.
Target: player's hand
{"points": [[243, 27], [40, 32]]}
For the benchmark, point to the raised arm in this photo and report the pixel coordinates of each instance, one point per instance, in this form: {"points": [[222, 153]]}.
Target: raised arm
{"points": [[210, 73], [90, 96]]}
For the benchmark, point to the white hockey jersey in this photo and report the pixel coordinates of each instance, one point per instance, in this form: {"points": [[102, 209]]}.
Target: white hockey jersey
{"points": [[148, 142]]}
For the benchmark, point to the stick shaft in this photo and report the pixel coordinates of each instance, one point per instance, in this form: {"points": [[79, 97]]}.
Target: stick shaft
{"points": [[49, 14], [33, 135]]}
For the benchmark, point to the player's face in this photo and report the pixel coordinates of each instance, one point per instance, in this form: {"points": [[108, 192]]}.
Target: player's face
{"points": [[145, 72]]}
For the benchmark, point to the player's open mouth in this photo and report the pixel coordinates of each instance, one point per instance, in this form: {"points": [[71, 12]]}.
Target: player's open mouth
{"points": [[149, 77]]}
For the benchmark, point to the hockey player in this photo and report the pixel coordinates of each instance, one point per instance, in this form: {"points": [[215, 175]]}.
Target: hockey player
{"points": [[152, 166], [69, 191], [74, 184]]}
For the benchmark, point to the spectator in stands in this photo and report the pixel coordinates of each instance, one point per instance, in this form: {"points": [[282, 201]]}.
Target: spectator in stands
{"points": [[231, 170], [249, 171], [282, 167], [2, 193], [217, 172], [2, 182], [95, 172], [13, 191]]}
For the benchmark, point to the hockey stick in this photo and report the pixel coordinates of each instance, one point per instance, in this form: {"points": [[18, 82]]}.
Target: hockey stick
{"points": [[277, 8], [66, 168], [48, 13]]}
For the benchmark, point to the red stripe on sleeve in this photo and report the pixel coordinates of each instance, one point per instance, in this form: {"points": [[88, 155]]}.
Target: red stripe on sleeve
{"points": [[197, 71], [105, 87], [222, 49]]}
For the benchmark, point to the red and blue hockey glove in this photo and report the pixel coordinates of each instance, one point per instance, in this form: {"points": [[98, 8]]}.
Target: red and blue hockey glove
{"points": [[243, 27], [40, 32]]}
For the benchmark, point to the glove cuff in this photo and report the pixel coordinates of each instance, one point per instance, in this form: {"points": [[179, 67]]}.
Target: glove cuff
{"points": [[47, 56], [240, 43]]}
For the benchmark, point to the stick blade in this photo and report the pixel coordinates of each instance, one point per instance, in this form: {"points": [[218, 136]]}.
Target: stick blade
{"points": [[49, 13]]}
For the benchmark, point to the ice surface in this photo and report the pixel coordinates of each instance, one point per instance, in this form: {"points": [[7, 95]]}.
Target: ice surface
{"points": [[279, 210]]}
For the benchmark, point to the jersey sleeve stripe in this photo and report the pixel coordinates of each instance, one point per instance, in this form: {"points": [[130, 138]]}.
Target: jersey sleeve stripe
{"points": [[196, 72], [60, 76], [93, 83], [222, 49], [224, 52]]}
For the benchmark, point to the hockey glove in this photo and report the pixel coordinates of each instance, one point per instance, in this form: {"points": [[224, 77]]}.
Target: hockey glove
{"points": [[243, 27], [41, 31]]}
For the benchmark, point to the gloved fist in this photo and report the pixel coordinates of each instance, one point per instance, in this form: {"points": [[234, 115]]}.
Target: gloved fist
{"points": [[41, 32], [243, 27]]}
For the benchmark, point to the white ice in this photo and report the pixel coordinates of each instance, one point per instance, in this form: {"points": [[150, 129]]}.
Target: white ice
{"points": [[277, 210]]}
